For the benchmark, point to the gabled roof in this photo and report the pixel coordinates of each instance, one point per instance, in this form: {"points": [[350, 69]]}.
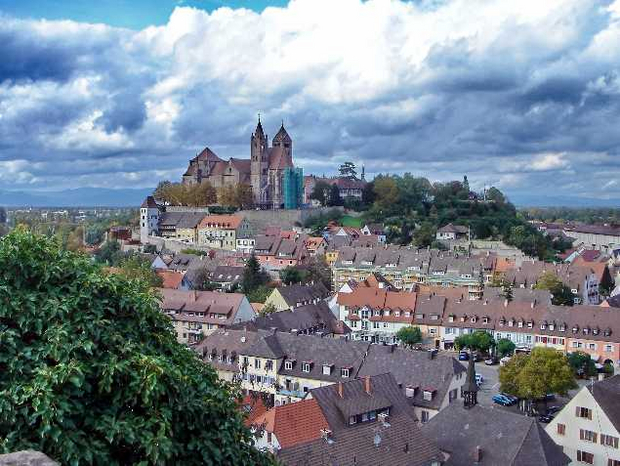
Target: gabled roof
{"points": [[450, 228], [297, 293], [221, 221], [294, 423], [606, 392], [149, 202], [504, 438], [170, 278]]}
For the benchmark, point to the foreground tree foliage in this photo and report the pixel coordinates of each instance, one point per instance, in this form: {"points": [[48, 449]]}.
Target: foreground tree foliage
{"points": [[91, 373]]}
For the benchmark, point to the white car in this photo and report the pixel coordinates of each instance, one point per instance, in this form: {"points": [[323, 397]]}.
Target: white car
{"points": [[479, 379]]}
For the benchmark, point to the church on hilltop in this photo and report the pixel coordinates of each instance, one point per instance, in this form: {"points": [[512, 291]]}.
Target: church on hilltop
{"points": [[269, 170]]}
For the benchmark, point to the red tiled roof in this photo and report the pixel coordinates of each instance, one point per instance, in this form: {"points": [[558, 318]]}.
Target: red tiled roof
{"points": [[222, 221], [170, 278], [294, 423], [254, 407]]}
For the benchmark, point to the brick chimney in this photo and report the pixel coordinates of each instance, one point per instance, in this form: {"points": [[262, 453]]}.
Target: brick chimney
{"points": [[367, 384], [340, 390]]}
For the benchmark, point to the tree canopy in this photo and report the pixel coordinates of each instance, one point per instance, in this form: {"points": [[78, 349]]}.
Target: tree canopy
{"points": [[409, 336], [195, 195], [532, 376], [479, 340], [91, 372], [561, 295], [505, 347]]}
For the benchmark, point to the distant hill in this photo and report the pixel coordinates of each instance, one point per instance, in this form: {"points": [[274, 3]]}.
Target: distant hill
{"points": [[80, 197], [534, 200]]}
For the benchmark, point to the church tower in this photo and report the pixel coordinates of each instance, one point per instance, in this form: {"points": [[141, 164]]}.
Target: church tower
{"points": [[470, 387], [259, 162], [282, 139]]}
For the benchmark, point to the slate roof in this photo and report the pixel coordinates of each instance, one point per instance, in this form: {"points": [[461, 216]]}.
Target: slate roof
{"points": [[149, 202], [201, 306], [310, 318], [232, 342], [337, 352], [504, 438], [398, 443], [297, 293], [413, 369], [606, 392]]}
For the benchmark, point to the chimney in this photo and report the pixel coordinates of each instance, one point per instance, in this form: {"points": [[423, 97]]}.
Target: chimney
{"points": [[340, 390], [477, 454], [367, 384]]}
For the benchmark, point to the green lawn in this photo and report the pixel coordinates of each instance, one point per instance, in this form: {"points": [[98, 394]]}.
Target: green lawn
{"points": [[349, 221]]}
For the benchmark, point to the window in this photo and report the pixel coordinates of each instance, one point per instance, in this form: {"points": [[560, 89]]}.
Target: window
{"points": [[612, 462], [305, 367], [609, 440], [424, 416], [269, 365], [428, 395], [587, 435], [609, 348], [344, 372], [268, 437], [352, 420], [585, 413], [561, 429], [592, 346], [452, 395], [585, 457], [327, 369]]}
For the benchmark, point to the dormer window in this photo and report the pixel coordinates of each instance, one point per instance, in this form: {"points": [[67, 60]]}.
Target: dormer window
{"points": [[485, 320], [511, 323], [306, 366], [463, 318], [543, 326], [595, 331], [586, 330], [562, 327], [575, 329], [288, 365], [397, 313], [345, 372], [410, 391], [451, 318], [607, 332], [327, 369], [386, 313], [377, 313], [417, 316], [502, 322], [551, 327], [428, 394]]}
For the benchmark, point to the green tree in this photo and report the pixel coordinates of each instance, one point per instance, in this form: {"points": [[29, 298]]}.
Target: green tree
{"points": [[267, 309], [386, 192], [505, 347], [110, 253], [424, 235], [582, 364], [321, 192], [317, 270], [136, 267], [100, 377], [533, 376], [607, 283], [334, 196], [507, 290], [253, 276], [291, 275], [561, 295], [494, 194], [409, 336], [347, 170], [480, 340]]}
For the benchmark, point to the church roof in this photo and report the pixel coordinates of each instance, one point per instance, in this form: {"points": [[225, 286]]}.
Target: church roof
{"points": [[278, 158], [282, 135], [208, 154]]}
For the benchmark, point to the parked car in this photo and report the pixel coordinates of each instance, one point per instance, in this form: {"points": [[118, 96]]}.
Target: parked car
{"points": [[479, 379], [477, 357], [491, 361], [463, 356], [513, 399], [553, 409], [501, 400], [546, 418], [504, 361]]}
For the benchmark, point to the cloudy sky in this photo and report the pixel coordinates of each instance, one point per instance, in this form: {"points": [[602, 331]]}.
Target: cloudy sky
{"points": [[523, 95]]}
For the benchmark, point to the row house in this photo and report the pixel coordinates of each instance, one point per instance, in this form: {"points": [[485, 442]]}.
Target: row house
{"points": [[223, 231], [180, 225], [376, 314], [582, 279], [275, 252], [288, 366], [407, 267], [198, 313]]}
